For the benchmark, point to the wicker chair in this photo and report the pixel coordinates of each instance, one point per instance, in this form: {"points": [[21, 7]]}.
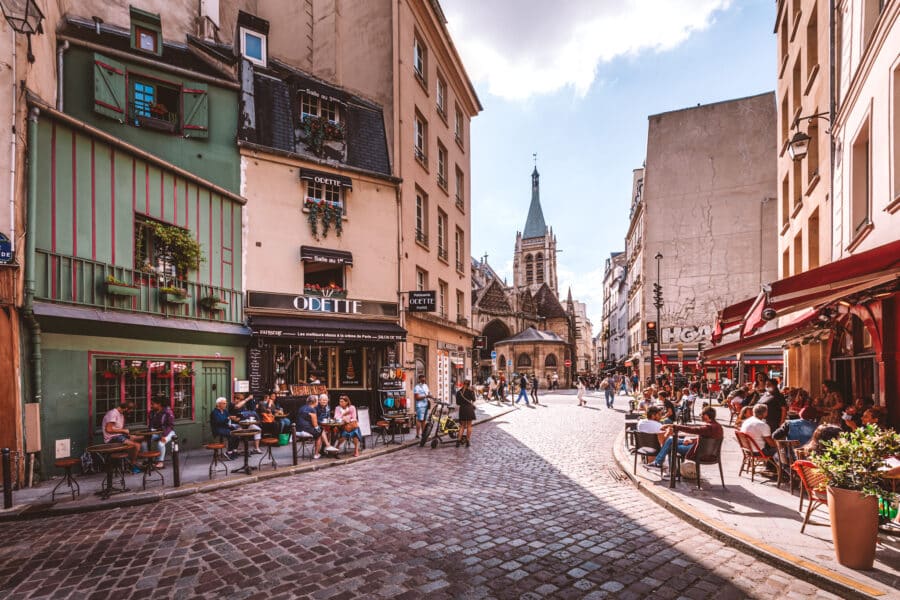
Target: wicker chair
{"points": [[813, 482], [753, 456]]}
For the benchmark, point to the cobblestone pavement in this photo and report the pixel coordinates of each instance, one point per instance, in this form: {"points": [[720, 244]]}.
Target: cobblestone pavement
{"points": [[535, 508]]}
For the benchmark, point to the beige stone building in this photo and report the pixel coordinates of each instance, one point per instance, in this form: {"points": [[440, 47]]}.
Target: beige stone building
{"points": [[707, 207], [634, 261]]}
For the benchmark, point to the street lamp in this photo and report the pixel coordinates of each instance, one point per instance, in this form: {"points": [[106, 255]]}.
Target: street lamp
{"points": [[798, 146], [657, 302], [23, 16]]}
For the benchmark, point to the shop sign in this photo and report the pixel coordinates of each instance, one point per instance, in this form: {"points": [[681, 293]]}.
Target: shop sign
{"points": [[685, 335], [325, 256], [325, 178], [480, 342], [254, 369], [422, 301], [320, 304], [6, 251]]}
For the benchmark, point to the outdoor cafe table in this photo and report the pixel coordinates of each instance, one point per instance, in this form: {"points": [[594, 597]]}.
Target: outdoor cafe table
{"points": [[245, 436], [395, 422], [334, 430], [145, 434], [107, 449]]}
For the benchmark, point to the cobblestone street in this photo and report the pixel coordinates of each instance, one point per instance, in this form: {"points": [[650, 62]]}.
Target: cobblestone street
{"points": [[535, 508]]}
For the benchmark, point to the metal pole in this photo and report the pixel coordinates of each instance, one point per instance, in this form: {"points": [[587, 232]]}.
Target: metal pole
{"points": [[294, 442], [7, 480], [176, 463], [658, 306]]}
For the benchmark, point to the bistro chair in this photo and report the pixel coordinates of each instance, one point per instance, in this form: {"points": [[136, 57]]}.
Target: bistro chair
{"points": [[646, 445], [734, 413], [149, 467], [67, 463], [381, 431], [753, 458], [709, 452], [813, 482], [303, 438], [786, 458], [268, 457], [119, 459], [218, 458]]}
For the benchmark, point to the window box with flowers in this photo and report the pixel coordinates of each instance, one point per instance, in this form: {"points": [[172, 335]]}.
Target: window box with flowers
{"points": [[212, 303], [118, 288], [173, 295], [323, 136], [327, 212], [331, 290]]}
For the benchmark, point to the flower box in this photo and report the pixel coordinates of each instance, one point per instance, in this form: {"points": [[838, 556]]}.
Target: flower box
{"points": [[212, 303], [334, 294], [117, 289], [173, 298]]}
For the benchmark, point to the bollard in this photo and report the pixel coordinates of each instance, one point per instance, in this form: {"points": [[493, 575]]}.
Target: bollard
{"points": [[176, 463], [7, 479], [294, 441]]}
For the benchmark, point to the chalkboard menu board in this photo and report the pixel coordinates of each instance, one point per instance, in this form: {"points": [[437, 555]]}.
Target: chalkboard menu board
{"points": [[254, 370]]}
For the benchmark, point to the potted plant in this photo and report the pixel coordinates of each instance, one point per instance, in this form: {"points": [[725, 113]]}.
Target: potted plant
{"points": [[851, 466], [212, 303], [173, 295], [186, 373], [113, 370], [117, 287], [136, 371]]}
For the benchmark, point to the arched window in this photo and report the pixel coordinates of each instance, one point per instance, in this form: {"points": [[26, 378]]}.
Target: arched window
{"points": [[550, 361], [501, 362], [523, 361], [529, 269], [539, 268]]}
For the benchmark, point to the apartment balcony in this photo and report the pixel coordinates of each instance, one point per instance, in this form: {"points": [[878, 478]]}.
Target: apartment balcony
{"points": [[79, 281]]}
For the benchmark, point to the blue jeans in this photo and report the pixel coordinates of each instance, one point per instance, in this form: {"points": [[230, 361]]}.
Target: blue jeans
{"points": [[523, 394], [610, 397], [161, 444], [666, 447]]}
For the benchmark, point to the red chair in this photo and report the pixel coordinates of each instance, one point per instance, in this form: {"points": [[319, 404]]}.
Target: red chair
{"points": [[753, 456], [813, 482]]}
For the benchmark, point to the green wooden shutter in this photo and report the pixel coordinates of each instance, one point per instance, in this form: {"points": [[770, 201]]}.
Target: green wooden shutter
{"points": [[109, 88], [196, 110]]}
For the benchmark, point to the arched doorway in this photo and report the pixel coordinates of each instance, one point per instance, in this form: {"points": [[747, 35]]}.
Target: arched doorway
{"points": [[494, 331]]}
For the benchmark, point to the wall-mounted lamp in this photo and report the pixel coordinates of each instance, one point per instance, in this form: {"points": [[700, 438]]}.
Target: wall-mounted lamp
{"points": [[23, 16], [799, 144]]}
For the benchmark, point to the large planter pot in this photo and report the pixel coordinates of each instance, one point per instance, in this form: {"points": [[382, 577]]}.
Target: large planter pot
{"points": [[854, 527]]}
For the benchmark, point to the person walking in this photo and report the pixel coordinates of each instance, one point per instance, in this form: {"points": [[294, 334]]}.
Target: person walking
{"points": [[534, 389], [465, 398], [610, 391], [421, 394], [523, 390], [580, 395]]}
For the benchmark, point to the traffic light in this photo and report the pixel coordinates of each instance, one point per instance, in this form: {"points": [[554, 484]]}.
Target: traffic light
{"points": [[652, 336]]}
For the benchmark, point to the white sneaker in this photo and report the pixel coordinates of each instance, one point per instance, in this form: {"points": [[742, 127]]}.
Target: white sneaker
{"points": [[317, 456]]}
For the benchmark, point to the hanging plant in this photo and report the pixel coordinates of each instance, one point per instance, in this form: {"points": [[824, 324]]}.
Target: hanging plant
{"points": [[319, 130], [329, 214], [177, 247], [312, 217]]}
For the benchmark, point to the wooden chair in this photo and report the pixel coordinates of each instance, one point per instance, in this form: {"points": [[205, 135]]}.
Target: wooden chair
{"points": [[753, 456], [813, 482], [646, 445], [709, 452]]}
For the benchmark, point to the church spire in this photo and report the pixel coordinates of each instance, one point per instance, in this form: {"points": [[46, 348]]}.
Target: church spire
{"points": [[535, 226]]}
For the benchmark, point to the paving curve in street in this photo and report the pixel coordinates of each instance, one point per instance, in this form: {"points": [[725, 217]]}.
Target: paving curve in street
{"points": [[535, 508]]}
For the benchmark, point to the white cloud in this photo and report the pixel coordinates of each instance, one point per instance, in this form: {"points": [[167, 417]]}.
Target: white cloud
{"points": [[522, 48]]}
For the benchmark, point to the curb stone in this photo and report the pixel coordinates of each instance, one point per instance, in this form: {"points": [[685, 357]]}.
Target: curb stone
{"points": [[803, 569]]}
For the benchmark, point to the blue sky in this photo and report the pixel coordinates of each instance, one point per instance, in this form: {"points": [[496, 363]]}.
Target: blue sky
{"points": [[586, 117]]}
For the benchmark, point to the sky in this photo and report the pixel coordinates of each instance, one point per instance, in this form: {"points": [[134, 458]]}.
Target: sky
{"points": [[574, 82]]}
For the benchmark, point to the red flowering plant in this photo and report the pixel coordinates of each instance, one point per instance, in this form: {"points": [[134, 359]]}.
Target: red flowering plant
{"points": [[318, 130]]}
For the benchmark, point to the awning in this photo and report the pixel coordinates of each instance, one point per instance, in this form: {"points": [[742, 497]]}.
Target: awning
{"points": [[326, 178], [325, 255], [816, 287], [327, 330], [798, 326]]}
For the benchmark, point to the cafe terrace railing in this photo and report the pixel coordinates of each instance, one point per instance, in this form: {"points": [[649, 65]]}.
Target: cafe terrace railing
{"points": [[84, 282]]}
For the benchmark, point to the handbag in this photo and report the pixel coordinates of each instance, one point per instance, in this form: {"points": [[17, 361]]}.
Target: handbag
{"points": [[351, 426]]}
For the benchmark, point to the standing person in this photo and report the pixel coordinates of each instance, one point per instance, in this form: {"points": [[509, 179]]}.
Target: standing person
{"points": [[555, 381], [161, 418], [534, 389], [580, 395], [523, 390], [421, 394], [465, 398], [501, 388], [610, 391]]}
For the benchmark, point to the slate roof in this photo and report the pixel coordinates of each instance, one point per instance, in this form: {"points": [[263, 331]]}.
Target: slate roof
{"points": [[494, 298], [532, 335], [275, 105], [116, 38], [548, 304], [535, 226]]}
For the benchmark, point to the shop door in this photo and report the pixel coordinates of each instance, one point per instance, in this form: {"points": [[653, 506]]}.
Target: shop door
{"points": [[215, 379]]}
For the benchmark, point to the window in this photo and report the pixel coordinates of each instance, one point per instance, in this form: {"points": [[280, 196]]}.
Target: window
{"points": [[253, 46], [155, 105], [441, 96], [323, 279], [150, 255], [786, 263], [459, 247], [812, 42], [860, 192], [539, 268], [458, 126], [895, 134], [871, 13], [796, 88], [460, 305], [798, 186], [146, 31], [798, 253], [139, 380], [421, 217], [523, 361], [783, 38], [421, 280], [550, 361], [812, 152], [420, 59], [442, 298], [812, 240], [442, 166], [146, 40], [785, 121], [460, 190], [421, 139], [785, 201], [529, 269], [442, 234], [332, 195], [313, 106]]}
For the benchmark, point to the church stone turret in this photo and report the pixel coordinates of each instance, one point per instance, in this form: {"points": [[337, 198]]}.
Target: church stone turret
{"points": [[534, 262]]}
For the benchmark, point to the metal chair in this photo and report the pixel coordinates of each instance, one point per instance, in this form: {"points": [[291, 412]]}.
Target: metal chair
{"points": [[753, 456], [813, 482], [68, 479], [269, 443], [303, 438], [646, 445], [709, 452], [149, 467], [218, 459]]}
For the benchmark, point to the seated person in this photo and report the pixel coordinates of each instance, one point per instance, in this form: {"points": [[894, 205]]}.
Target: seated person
{"points": [[798, 400], [308, 421], [162, 418], [710, 429], [652, 425], [851, 418], [746, 413], [646, 399], [221, 424], [244, 409], [668, 414], [800, 430], [115, 432], [759, 431], [346, 413], [323, 412], [272, 415], [822, 434], [874, 416]]}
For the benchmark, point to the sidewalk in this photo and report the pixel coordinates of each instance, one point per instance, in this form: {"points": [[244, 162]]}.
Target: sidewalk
{"points": [[764, 520], [35, 502]]}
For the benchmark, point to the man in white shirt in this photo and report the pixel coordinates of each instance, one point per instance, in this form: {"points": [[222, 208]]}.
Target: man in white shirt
{"points": [[421, 393], [652, 425], [759, 431]]}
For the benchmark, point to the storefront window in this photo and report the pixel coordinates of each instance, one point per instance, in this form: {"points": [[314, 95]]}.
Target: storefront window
{"points": [[138, 380]]}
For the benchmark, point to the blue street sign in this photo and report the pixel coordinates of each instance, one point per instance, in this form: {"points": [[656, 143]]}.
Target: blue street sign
{"points": [[6, 252], [493, 354]]}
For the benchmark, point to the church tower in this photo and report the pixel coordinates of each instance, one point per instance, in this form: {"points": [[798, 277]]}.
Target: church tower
{"points": [[534, 262]]}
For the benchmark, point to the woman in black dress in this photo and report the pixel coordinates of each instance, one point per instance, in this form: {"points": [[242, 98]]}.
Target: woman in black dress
{"points": [[465, 398]]}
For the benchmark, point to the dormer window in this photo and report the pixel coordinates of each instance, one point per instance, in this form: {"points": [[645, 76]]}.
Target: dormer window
{"points": [[146, 31], [253, 46], [146, 40], [314, 106]]}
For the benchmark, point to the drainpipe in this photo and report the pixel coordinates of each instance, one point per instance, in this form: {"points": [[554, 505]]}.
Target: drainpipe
{"points": [[12, 152], [832, 105], [59, 75], [30, 235]]}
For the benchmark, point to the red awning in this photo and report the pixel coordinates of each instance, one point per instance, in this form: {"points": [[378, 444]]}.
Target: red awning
{"points": [[817, 286], [799, 326]]}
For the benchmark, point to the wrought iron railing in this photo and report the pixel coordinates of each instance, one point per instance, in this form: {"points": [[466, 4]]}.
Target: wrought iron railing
{"points": [[73, 280], [421, 237]]}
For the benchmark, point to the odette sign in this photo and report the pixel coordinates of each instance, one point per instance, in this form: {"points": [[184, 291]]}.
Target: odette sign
{"points": [[422, 301]]}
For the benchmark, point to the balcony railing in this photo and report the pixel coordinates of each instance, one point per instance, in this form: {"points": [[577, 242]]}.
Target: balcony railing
{"points": [[442, 253], [80, 281], [420, 156], [421, 237]]}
